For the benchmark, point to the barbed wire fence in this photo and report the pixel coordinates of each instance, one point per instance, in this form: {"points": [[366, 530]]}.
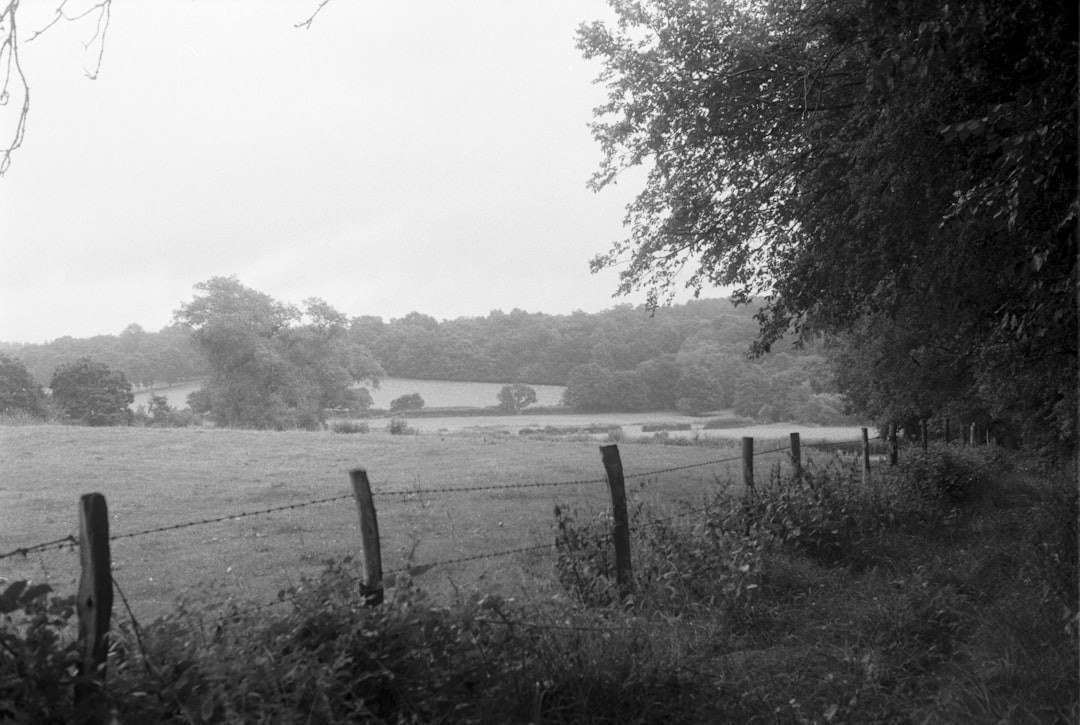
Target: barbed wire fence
{"points": [[70, 542]]}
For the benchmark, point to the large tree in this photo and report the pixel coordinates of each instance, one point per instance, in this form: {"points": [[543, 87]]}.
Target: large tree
{"points": [[274, 366], [93, 393], [861, 166]]}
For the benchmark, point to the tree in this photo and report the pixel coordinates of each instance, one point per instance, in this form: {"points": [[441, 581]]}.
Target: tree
{"points": [[514, 398], [273, 365], [19, 392], [402, 403], [850, 164], [92, 392]]}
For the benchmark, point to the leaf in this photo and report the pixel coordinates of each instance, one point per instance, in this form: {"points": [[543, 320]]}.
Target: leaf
{"points": [[9, 600]]}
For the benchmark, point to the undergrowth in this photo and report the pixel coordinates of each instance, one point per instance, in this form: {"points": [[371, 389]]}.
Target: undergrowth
{"points": [[942, 592]]}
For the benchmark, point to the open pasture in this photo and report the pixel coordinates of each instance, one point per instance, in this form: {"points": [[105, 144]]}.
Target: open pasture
{"points": [[162, 477]]}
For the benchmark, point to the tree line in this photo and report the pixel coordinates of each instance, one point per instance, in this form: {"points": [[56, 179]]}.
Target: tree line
{"points": [[268, 364]]}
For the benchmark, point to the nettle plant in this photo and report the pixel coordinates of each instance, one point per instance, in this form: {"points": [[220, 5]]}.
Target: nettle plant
{"points": [[680, 566]]}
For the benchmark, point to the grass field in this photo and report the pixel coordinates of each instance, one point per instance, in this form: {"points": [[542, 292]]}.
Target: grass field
{"points": [[161, 477]]}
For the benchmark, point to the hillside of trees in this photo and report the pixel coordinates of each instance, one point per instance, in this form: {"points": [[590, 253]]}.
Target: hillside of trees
{"points": [[689, 357]]}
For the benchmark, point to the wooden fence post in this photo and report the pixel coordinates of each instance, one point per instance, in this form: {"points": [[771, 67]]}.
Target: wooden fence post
{"points": [[796, 456], [613, 467], [894, 446], [748, 463], [372, 586], [924, 434], [972, 436], [865, 456], [95, 599]]}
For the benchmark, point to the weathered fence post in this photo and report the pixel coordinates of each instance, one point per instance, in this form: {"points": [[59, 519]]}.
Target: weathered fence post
{"points": [[613, 467], [796, 456], [894, 446], [972, 436], [865, 456], [95, 599], [748, 463], [372, 586]]}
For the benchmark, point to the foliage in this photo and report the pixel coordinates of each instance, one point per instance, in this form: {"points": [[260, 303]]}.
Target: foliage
{"points": [[900, 174], [37, 654], [19, 392], [409, 401], [349, 426], [273, 366], [399, 426], [92, 392], [677, 572], [516, 397]]}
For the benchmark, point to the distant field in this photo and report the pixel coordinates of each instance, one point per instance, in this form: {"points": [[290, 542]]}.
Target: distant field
{"points": [[160, 477], [436, 393]]}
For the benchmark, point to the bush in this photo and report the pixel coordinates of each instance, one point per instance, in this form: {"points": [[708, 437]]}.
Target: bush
{"points": [[399, 426], [349, 426], [412, 401]]}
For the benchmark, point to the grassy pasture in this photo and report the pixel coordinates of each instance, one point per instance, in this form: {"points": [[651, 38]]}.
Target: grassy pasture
{"points": [[161, 477]]}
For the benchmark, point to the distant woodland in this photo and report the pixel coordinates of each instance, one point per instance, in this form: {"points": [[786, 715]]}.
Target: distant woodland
{"points": [[689, 357]]}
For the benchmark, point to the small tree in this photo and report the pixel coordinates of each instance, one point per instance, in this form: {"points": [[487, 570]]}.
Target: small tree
{"points": [[92, 392], [19, 392], [514, 398], [412, 401]]}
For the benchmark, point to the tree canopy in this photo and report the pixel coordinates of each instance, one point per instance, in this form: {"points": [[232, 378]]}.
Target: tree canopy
{"points": [[93, 393], [273, 365], [906, 170]]}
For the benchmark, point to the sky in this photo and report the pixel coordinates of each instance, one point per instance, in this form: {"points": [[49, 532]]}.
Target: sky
{"points": [[396, 156]]}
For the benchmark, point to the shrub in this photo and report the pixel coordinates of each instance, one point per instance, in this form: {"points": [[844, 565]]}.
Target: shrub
{"points": [[349, 426], [399, 426], [412, 401]]}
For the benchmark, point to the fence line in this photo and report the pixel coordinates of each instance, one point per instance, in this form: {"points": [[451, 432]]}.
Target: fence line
{"points": [[501, 487], [96, 583], [239, 515], [70, 541]]}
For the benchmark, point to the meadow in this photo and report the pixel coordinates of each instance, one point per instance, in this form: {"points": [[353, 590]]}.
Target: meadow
{"points": [[943, 592], [160, 477]]}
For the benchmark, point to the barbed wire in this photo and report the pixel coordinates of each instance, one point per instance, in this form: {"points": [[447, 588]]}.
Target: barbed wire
{"points": [[67, 541], [229, 517], [499, 487]]}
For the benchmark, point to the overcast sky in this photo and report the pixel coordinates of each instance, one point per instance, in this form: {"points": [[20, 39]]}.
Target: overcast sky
{"points": [[397, 156]]}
